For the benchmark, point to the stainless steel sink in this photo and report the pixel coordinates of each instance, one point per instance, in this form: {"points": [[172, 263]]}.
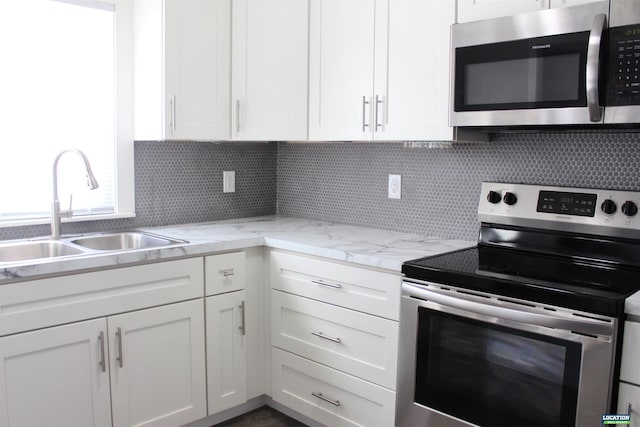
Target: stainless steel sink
{"points": [[32, 250], [21, 251], [129, 240]]}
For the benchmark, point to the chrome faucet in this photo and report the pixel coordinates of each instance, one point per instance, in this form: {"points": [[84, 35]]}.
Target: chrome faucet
{"points": [[56, 213]]}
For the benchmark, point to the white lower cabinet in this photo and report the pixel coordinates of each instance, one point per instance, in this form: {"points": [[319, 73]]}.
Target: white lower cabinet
{"points": [[53, 377], [629, 386], [354, 342], [158, 365], [143, 368], [334, 333], [329, 396], [629, 402], [226, 351]]}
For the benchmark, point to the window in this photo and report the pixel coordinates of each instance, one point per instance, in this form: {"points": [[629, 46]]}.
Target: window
{"points": [[65, 83]]}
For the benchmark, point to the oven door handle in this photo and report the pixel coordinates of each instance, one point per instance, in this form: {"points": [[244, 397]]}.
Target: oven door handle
{"points": [[584, 326]]}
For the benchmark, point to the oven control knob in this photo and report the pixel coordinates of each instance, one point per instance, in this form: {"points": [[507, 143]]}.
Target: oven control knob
{"points": [[510, 198], [608, 206], [629, 208], [494, 197]]}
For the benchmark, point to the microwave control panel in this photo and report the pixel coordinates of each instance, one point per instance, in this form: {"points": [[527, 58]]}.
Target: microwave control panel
{"points": [[623, 81]]}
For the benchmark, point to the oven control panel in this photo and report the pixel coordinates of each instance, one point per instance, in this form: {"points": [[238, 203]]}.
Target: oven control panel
{"points": [[589, 211]]}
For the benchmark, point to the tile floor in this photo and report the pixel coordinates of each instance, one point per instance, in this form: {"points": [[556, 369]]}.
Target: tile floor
{"points": [[262, 417]]}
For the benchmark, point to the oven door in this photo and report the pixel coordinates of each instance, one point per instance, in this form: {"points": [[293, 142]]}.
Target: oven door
{"points": [[468, 358], [503, 75]]}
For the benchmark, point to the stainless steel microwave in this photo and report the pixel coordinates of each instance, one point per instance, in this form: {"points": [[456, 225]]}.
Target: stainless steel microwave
{"points": [[575, 65]]}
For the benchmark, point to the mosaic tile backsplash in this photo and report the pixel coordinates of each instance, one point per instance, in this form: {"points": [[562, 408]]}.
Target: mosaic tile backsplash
{"points": [[181, 182], [347, 183]]}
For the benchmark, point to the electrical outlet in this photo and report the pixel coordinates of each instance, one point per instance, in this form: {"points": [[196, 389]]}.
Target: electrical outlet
{"points": [[229, 181], [395, 186]]}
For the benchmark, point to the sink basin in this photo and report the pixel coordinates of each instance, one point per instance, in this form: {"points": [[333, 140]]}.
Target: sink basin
{"points": [[22, 251], [124, 241]]}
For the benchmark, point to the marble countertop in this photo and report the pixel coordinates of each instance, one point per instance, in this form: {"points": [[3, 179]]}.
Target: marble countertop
{"points": [[365, 246]]}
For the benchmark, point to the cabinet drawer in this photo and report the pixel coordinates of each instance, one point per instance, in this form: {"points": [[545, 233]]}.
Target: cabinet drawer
{"points": [[329, 396], [353, 342], [348, 286], [224, 273], [630, 369], [47, 302]]}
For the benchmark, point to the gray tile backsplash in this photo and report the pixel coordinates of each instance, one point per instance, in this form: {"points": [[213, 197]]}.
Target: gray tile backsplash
{"points": [[440, 186], [181, 182]]}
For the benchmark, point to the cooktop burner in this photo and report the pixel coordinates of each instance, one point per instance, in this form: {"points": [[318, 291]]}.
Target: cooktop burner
{"points": [[575, 248]]}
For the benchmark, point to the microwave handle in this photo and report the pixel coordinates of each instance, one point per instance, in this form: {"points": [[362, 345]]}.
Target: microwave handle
{"points": [[593, 67]]}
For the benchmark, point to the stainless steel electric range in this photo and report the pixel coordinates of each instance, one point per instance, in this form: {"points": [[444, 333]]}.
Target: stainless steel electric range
{"points": [[525, 328]]}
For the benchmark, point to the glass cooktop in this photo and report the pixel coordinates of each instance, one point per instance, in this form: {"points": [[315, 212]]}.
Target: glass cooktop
{"points": [[573, 283]]}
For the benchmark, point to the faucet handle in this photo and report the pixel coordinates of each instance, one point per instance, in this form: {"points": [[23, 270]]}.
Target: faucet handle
{"points": [[67, 213]]}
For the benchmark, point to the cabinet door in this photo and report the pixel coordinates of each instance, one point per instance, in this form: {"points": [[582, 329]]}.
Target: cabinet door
{"points": [[341, 59], [629, 400], [474, 10], [197, 54], [269, 67], [158, 365], [55, 377], [226, 351], [412, 69]]}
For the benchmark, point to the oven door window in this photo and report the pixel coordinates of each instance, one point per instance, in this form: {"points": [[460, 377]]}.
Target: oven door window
{"points": [[491, 375], [545, 72]]}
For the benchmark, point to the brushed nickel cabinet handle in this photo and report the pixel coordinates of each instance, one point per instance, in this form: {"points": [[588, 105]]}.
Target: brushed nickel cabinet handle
{"points": [[326, 399], [119, 357], [237, 116], [378, 102], [242, 322], [227, 272], [172, 103], [102, 363], [327, 284], [326, 337], [364, 113]]}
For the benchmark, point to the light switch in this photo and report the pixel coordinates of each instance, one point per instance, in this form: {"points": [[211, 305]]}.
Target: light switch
{"points": [[229, 181]]}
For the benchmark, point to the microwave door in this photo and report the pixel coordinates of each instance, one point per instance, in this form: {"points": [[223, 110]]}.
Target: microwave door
{"points": [[547, 79]]}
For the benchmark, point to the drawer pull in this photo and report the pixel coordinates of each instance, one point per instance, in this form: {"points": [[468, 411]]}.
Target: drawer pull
{"points": [[227, 272], [321, 335], [326, 399], [328, 284]]}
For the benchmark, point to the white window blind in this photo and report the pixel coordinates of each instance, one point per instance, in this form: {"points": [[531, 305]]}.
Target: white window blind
{"points": [[58, 91]]}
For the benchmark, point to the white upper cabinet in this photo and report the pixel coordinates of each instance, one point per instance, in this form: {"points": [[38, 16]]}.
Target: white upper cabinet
{"points": [[269, 69], [341, 60], [379, 70], [182, 69], [474, 10], [412, 70]]}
